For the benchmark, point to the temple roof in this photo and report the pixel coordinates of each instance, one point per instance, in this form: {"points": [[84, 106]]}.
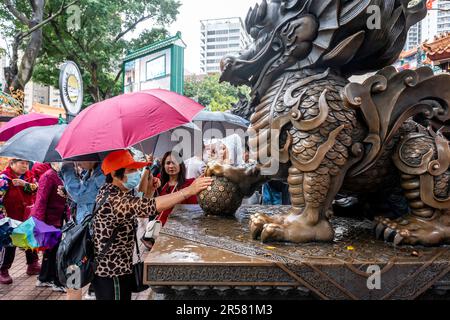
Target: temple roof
{"points": [[438, 49], [408, 53]]}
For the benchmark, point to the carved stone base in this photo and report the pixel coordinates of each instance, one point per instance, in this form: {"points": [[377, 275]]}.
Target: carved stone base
{"points": [[214, 257]]}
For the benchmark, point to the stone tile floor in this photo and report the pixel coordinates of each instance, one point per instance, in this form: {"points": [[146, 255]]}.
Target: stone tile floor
{"points": [[24, 286]]}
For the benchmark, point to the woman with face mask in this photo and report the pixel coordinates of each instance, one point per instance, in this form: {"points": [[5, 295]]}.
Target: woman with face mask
{"points": [[116, 219], [51, 209], [18, 189]]}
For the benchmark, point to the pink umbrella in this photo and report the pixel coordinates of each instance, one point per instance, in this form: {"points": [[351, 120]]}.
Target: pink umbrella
{"points": [[124, 121], [26, 121]]}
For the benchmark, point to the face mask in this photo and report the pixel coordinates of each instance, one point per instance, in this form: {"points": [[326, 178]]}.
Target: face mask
{"points": [[133, 180]]}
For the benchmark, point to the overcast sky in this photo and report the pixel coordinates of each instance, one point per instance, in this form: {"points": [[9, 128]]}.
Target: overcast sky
{"points": [[192, 11]]}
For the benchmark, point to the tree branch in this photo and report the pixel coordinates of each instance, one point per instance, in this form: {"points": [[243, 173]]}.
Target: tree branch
{"points": [[16, 13], [132, 26], [49, 19], [61, 40], [108, 92]]}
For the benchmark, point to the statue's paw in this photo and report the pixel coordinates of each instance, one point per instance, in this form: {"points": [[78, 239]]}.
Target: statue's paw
{"points": [[215, 169], [273, 232], [412, 230], [257, 222], [297, 231]]}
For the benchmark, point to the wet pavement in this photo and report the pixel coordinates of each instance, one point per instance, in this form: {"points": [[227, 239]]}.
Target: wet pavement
{"points": [[24, 286], [202, 255]]}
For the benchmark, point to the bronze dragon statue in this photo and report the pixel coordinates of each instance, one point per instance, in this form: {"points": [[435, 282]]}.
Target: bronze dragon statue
{"points": [[335, 136]]}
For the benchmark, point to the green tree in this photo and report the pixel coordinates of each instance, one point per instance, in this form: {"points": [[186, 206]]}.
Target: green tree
{"points": [[214, 95], [100, 41], [21, 23]]}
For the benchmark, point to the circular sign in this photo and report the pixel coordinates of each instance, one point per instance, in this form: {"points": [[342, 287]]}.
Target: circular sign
{"points": [[71, 88]]}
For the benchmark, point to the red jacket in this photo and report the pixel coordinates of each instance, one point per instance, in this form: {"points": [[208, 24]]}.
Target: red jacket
{"points": [[49, 206], [166, 189], [16, 201]]}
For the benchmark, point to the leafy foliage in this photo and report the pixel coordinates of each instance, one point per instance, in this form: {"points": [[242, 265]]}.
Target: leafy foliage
{"points": [[101, 41], [214, 95]]}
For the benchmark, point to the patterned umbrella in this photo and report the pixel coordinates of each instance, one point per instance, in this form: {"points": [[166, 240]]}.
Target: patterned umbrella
{"points": [[36, 235]]}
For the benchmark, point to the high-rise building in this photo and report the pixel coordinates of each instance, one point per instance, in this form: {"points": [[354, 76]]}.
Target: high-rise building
{"points": [[437, 20], [218, 38], [42, 99], [414, 38]]}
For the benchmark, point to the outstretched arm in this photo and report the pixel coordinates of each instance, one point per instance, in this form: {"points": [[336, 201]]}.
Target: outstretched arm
{"points": [[169, 201]]}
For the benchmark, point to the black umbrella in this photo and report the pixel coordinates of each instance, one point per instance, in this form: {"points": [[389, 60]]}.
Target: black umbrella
{"points": [[34, 144], [38, 144]]}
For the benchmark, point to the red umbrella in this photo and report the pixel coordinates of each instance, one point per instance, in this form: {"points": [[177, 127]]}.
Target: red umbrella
{"points": [[26, 121], [124, 121]]}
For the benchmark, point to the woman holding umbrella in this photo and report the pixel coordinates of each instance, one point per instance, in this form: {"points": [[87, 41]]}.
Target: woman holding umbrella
{"points": [[18, 188], [115, 221]]}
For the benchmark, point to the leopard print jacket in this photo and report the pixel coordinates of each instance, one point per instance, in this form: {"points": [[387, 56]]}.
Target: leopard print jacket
{"points": [[120, 210]]}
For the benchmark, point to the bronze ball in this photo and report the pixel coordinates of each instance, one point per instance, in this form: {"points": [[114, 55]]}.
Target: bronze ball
{"points": [[222, 198]]}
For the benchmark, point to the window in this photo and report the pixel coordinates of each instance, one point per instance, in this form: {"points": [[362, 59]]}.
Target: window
{"points": [[221, 46], [155, 68], [218, 39]]}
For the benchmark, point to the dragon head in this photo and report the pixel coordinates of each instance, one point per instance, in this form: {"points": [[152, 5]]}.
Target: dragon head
{"points": [[315, 34]]}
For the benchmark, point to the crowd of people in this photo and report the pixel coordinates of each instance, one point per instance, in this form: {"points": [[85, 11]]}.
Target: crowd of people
{"points": [[121, 189]]}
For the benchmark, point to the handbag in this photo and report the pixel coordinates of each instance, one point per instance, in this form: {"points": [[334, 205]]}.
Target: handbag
{"points": [[152, 230], [137, 284]]}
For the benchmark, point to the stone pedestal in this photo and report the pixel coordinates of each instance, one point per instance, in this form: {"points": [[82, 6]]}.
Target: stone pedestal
{"points": [[200, 256]]}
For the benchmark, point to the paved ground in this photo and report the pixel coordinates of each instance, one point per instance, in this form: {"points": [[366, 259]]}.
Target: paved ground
{"points": [[24, 286]]}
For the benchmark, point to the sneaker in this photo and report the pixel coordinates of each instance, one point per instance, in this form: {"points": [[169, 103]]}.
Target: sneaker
{"points": [[90, 296], [56, 288], [5, 278], [34, 269], [40, 284]]}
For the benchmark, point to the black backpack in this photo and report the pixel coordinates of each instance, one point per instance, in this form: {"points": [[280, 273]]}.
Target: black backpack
{"points": [[75, 258]]}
